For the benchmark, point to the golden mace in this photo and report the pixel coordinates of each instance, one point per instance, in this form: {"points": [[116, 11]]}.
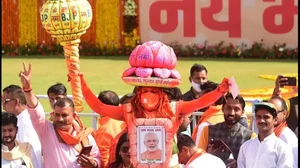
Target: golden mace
{"points": [[67, 20]]}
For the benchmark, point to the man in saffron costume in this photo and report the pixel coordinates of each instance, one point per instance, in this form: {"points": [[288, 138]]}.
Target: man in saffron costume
{"points": [[150, 100]]}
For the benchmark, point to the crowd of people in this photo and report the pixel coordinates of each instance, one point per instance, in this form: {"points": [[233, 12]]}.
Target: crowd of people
{"points": [[221, 138]]}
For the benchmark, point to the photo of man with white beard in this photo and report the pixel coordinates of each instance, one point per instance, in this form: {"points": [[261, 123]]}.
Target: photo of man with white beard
{"points": [[153, 152]]}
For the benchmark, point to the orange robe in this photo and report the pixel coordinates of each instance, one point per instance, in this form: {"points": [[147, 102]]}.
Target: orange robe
{"points": [[212, 115], [107, 131], [183, 108]]}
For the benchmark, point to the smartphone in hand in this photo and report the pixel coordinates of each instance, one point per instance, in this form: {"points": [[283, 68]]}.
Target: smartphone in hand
{"points": [[86, 150], [217, 143], [287, 81]]}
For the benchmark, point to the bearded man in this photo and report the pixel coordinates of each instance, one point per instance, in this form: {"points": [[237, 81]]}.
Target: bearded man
{"points": [[231, 132], [14, 153], [151, 142]]}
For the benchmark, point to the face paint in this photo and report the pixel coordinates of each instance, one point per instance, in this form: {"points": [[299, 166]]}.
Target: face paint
{"points": [[196, 86], [149, 98]]}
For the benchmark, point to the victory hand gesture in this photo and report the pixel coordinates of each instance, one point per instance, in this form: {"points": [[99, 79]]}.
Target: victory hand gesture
{"points": [[25, 76]]}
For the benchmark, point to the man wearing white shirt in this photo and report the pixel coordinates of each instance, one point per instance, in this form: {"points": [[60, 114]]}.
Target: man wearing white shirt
{"points": [[13, 101], [14, 153], [193, 157], [282, 130], [266, 150]]}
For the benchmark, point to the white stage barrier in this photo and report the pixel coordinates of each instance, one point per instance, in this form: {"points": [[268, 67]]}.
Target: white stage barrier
{"points": [[194, 123]]}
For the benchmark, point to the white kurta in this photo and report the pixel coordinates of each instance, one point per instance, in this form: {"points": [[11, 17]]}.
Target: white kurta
{"points": [[26, 133], [206, 161], [289, 137], [18, 163], [12, 163], [272, 152]]}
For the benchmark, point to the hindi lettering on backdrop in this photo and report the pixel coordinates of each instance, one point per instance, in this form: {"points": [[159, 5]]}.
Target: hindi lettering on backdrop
{"points": [[287, 10], [171, 8], [233, 25]]}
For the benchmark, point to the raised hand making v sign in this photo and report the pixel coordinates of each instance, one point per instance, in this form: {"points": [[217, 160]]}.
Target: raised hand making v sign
{"points": [[25, 78]]}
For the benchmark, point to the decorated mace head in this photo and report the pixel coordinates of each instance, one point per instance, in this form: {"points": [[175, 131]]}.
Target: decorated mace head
{"points": [[66, 20]]}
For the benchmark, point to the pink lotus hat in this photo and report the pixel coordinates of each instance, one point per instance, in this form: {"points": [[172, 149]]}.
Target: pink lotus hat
{"points": [[152, 64]]}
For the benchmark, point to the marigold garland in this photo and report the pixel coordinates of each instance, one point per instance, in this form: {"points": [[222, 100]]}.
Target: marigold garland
{"points": [[266, 93], [194, 50], [108, 23], [130, 34], [131, 39], [27, 22], [273, 77]]}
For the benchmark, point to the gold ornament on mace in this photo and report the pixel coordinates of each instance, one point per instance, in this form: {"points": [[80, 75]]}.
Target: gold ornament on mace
{"points": [[67, 20]]}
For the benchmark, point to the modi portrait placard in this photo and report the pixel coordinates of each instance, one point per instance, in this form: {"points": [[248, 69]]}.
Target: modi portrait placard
{"points": [[151, 144]]}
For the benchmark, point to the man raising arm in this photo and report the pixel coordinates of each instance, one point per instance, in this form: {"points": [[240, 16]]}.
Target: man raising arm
{"points": [[63, 140]]}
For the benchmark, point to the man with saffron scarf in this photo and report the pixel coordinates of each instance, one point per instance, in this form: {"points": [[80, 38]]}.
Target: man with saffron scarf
{"points": [[212, 114], [108, 127], [14, 153], [63, 140], [291, 102], [54, 93], [193, 157], [282, 130]]}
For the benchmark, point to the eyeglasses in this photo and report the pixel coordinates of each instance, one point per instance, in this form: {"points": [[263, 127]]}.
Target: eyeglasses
{"points": [[7, 100], [124, 149]]}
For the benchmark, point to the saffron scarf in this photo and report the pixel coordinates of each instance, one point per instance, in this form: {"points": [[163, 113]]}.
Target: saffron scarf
{"points": [[82, 133], [195, 155], [210, 112], [278, 130]]}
